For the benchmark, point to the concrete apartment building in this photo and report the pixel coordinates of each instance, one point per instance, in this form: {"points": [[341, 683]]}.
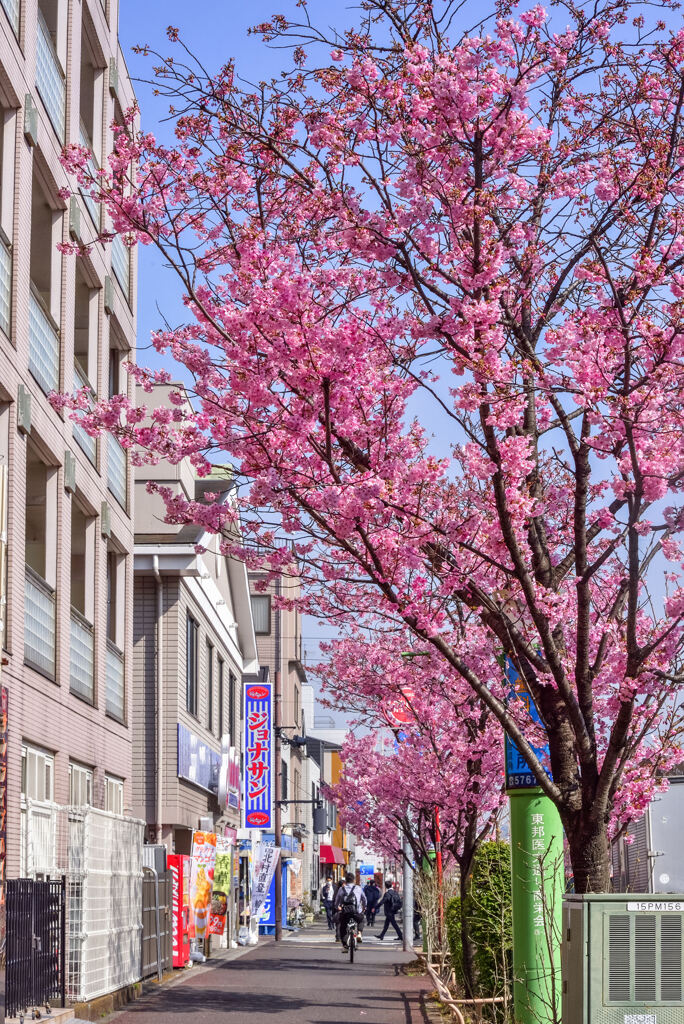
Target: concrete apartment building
{"points": [[64, 323], [193, 609]]}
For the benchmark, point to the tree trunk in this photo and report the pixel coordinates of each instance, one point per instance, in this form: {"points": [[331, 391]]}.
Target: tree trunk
{"points": [[467, 947], [589, 852]]}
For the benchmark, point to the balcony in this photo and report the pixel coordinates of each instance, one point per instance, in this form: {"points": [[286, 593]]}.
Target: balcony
{"points": [[43, 344], [85, 442], [116, 470], [50, 80], [11, 8], [121, 261], [82, 657], [39, 623], [91, 206], [114, 682], [5, 285]]}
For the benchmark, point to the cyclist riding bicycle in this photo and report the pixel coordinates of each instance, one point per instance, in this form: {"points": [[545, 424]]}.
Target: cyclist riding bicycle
{"points": [[350, 904]]}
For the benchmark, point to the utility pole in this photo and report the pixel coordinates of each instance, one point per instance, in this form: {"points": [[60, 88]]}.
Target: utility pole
{"points": [[408, 896], [278, 811]]}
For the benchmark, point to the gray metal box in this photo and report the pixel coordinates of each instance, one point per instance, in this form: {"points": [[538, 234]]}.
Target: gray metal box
{"points": [[622, 959]]}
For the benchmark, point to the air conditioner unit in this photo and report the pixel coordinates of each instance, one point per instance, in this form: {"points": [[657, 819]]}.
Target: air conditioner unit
{"points": [[622, 959]]}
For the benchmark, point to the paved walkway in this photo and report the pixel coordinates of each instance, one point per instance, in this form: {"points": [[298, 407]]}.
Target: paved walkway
{"points": [[303, 980]]}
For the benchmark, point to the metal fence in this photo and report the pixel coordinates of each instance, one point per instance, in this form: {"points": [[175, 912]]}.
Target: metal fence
{"points": [[35, 972], [101, 856], [157, 937]]}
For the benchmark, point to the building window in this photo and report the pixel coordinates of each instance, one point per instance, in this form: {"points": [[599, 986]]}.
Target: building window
{"points": [[37, 774], [210, 686], [191, 659], [41, 563], [261, 613], [45, 290], [91, 88], [114, 795], [80, 785], [221, 699], [115, 697], [116, 595], [37, 783], [86, 314], [82, 661]]}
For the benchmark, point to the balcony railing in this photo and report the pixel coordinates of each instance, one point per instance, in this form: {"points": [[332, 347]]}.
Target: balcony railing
{"points": [[50, 78], [114, 681], [11, 8], [82, 657], [91, 205], [5, 286], [87, 443], [39, 623], [43, 345], [116, 470], [121, 262]]}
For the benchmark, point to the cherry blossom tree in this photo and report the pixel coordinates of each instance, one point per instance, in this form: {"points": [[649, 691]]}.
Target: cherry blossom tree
{"points": [[431, 748], [435, 286]]}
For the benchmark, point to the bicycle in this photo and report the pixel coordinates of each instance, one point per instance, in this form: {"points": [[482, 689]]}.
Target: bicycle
{"points": [[352, 938]]}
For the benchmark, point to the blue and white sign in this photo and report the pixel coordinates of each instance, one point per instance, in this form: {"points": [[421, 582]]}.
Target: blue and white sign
{"points": [[519, 775], [367, 869], [258, 756]]}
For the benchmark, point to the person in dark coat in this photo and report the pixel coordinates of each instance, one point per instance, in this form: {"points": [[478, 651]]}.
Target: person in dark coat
{"points": [[328, 893], [371, 891], [391, 901]]}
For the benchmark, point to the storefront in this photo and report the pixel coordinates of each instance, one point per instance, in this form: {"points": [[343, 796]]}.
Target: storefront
{"points": [[333, 862]]}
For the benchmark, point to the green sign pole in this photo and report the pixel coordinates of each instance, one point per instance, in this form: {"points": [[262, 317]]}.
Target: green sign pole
{"points": [[538, 885]]}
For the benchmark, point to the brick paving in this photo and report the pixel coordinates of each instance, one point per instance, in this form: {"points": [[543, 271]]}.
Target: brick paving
{"points": [[303, 980]]}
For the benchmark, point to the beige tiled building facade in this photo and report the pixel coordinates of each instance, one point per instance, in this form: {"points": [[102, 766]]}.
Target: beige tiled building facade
{"points": [[64, 322]]}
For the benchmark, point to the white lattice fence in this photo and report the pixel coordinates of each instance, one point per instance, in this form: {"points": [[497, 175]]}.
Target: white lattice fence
{"points": [[101, 855]]}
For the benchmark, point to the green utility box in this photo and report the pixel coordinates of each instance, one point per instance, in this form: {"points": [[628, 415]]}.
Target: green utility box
{"points": [[621, 959]]}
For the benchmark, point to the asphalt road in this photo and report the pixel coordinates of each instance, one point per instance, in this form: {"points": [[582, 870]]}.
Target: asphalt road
{"points": [[304, 980]]}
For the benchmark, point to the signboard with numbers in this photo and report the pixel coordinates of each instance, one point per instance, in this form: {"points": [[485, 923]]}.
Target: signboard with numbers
{"points": [[258, 754], [519, 775]]}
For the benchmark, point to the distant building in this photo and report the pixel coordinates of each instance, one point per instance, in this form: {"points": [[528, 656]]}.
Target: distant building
{"points": [[193, 642], [64, 323], [650, 858]]}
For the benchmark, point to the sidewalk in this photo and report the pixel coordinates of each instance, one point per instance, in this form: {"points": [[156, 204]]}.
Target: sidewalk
{"points": [[303, 980]]}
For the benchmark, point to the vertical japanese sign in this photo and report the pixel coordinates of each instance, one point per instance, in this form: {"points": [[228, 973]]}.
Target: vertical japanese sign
{"points": [[202, 879], [264, 868], [258, 756]]}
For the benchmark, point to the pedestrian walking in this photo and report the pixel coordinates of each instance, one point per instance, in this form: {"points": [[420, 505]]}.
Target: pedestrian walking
{"points": [[350, 904], [391, 901], [328, 901], [371, 891], [417, 918]]}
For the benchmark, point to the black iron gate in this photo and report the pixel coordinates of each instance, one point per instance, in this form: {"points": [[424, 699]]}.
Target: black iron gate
{"points": [[36, 948]]}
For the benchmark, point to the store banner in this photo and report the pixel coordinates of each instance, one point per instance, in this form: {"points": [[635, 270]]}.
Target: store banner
{"points": [[202, 879], [263, 869], [258, 785], [222, 887]]}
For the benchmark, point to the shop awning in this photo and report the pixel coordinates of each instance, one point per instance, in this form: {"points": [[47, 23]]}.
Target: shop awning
{"points": [[331, 855]]}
